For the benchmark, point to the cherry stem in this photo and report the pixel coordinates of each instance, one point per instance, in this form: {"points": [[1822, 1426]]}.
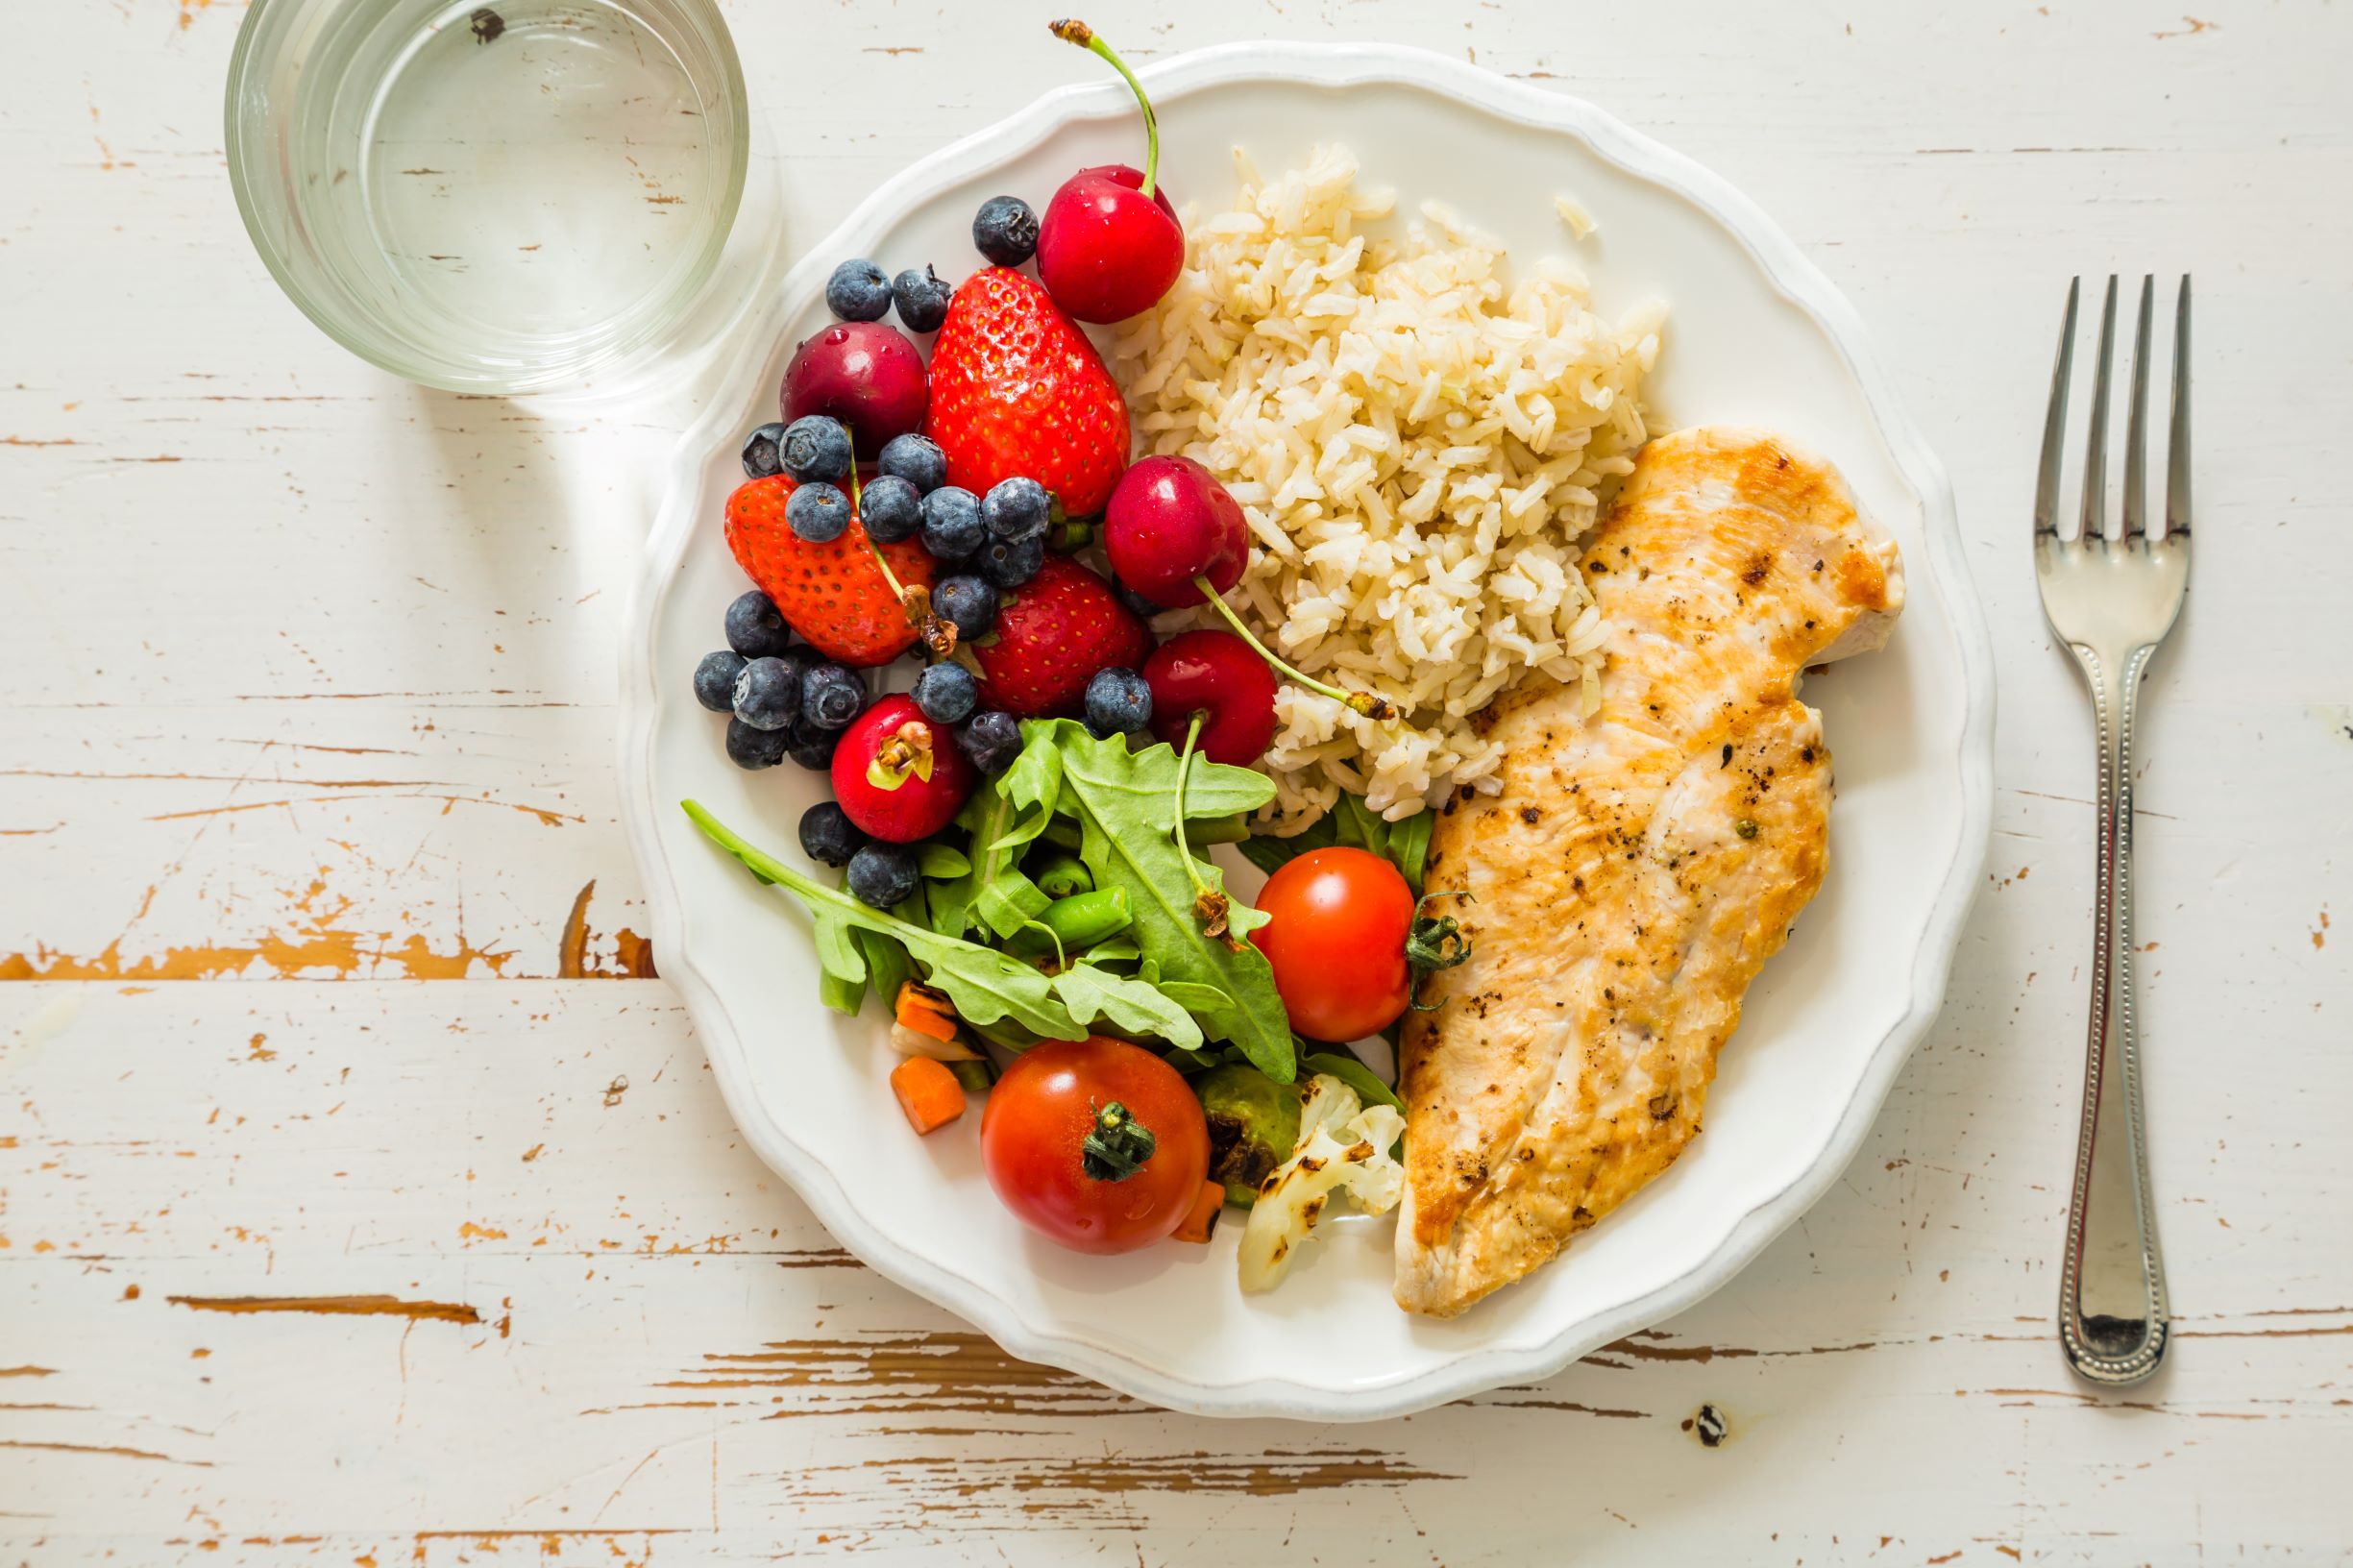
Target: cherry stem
{"points": [[1074, 31], [1363, 703], [856, 498], [1185, 762]]}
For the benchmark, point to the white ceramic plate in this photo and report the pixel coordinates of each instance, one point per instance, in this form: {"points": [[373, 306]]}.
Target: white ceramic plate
{"points": [[1758, 336]]}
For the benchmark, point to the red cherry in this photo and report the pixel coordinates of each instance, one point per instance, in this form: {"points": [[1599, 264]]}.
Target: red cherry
{"points": [[1169, 521], [1106, 249], [1221, 678], [1110, 244], [899, 776], [864, 374]]}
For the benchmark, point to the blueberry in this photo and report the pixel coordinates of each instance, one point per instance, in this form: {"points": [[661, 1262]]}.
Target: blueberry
{"points": [[883, 874], [760, 451], [952, 530], [1017, 509], [768, 693], [751, 747], [798, 660], [968, 602], [921, 299], [715, 680], [1005, 230], [754, 627], [809, 746], [947, 693], [1009, 564], [990, 741], [891, 511], [827, 834], [1144, 609], [916, 458], [818, 513], [816, 447], [858, 291], [830, 696], [1119, 702]]}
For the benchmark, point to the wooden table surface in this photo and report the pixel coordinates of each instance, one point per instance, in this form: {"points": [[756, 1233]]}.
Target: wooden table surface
{"points": [[364, 1197]]}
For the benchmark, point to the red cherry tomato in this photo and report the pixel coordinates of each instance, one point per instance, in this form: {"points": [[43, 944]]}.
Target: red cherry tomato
{"points": [[1034, 1142], [1335, 937]]}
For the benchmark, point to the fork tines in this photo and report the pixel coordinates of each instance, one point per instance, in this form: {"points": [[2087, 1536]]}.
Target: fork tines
{"points": [[2094, 506]]}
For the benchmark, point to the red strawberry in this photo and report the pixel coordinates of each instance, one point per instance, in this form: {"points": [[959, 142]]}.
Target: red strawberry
{"points": [[1054, 633], [832, 594], [1016, 390]]}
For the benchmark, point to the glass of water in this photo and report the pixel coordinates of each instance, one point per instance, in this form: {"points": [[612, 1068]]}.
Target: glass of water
{"points": [[504, 196]]}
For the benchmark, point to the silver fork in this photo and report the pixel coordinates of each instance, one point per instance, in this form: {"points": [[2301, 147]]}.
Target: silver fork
{"points": [[2112, 600]]}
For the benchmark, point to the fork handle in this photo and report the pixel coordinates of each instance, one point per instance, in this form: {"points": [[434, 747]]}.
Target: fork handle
{"points": [[2113, 1313]]}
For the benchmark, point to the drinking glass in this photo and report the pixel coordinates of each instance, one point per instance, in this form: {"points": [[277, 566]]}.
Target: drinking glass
{"points": [[500, 196]]}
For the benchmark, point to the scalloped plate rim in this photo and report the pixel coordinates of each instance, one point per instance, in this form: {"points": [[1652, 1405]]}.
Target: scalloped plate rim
{"points": [[1060, 1343]]}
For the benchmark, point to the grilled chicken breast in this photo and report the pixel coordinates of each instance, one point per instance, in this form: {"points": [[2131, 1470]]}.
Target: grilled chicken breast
{"points": [[1637, 867]]}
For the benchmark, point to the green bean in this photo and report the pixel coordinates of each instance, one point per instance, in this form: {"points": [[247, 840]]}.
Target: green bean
{"points": [[1059, 876], [1070, 924]]}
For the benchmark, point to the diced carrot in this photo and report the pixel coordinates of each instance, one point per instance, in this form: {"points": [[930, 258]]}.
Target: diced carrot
{"points": [[924, 1010], [927, 1092], [1202, 1219]]}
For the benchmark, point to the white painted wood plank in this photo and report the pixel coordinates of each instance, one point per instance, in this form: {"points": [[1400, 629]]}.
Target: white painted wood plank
{"points": [[575, 1266]]}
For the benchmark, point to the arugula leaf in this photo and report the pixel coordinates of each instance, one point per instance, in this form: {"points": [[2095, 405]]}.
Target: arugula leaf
{"points": [[1034, 777], [1409, 846], [1361, 826], [940, 860], [1125, 805], [852, 959], [887, 964], [1194, 997], [985, 985], [841, 967], [1133, 1006], [1119, 949], [993, 890], [1270, 853], [1404, 844], [1343, 1065], [835, 951]]}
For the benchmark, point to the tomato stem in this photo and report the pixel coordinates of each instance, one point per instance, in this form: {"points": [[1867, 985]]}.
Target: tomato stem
{"points": [[1074, 31], [1116, 1145], [1434, 942]]}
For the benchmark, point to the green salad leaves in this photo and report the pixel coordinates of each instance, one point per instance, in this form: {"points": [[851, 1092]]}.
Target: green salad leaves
{"points": [[1125, 804], [985, 985], [1159, 976], [1404, 844]]}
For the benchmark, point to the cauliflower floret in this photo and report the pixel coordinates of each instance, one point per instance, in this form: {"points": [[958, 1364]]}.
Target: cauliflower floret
{"points": [[1343, 1146]]}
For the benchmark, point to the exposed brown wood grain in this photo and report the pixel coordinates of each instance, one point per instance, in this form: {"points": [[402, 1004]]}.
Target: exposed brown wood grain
{"points": [[111, 1450], [632, 954], [897, 1373], [442, 1311], [1096, 1484]]}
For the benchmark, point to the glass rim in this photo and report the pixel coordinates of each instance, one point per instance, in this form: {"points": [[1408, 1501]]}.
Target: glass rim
{"points": [[392, 354]]}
